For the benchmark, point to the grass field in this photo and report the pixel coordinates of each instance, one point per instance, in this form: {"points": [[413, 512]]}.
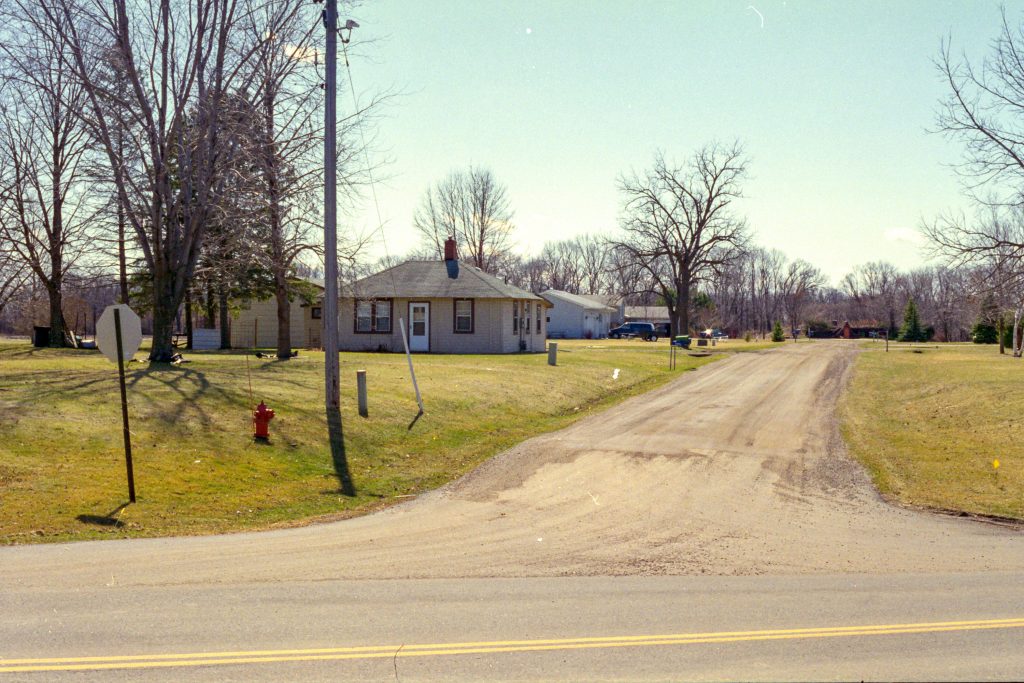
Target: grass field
{"points": [[198, 470], [930, 425]]}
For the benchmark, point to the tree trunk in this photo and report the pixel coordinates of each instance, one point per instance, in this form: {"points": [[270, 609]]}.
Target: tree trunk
{"points": [[284, 311], [1002, 347], [683, 305], [59, 337], [122, 264], [1017, 314], [225, 328], [164, 311], [188, 320], [211, 308]]}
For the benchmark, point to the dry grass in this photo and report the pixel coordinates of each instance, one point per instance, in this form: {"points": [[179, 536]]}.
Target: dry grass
{"points": [[198, 470], [929, 425]]}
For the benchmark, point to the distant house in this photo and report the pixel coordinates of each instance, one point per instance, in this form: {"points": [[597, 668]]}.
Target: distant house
{"points": [[646, 314], [575, 316], [447, 307], [861, 329]]}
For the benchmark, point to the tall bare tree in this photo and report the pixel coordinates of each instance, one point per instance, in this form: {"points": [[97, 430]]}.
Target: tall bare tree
{"points": [[180, 60], [678, 221], [45, 207], [473, 207]]}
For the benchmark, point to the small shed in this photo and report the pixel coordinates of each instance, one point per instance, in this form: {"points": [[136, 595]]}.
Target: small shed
{"points": [[576, 316]]}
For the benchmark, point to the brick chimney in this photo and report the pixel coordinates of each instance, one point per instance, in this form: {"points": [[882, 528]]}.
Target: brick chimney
{"points": [[450, 252]]}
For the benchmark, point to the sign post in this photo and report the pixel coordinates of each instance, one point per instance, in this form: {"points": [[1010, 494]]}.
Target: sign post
{"points": [[118, 336]]}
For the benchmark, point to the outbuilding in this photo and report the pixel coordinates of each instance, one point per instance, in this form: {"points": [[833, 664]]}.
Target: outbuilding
{"points": [[576, 316]]}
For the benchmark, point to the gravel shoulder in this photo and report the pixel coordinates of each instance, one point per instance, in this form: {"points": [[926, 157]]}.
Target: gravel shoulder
{"points": [[735, 469]]}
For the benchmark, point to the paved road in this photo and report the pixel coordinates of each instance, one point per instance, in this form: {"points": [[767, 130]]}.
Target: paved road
{"points": [[910, 627], [754, 482]]}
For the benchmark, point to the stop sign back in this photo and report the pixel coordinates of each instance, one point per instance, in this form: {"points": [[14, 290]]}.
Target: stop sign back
{"points": [[131, 332]]}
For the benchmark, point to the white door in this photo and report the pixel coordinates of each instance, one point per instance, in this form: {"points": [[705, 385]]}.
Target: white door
{"points": [[419, 326]]}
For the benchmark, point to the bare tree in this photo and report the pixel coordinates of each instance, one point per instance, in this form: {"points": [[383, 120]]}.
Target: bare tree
{"points": [[679, 224], [984, 110], [798, 286], [473, 207], [44, 200], [13, 276], [180, 59]]}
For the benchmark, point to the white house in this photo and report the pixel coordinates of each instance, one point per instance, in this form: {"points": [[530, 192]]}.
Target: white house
{"points": [[577, 317]]}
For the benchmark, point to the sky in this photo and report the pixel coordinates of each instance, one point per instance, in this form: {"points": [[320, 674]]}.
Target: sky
{"points": [[832, 101]]}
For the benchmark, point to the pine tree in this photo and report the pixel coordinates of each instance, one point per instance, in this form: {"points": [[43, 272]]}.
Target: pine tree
{"points": [[777, 333], [911, 330]]}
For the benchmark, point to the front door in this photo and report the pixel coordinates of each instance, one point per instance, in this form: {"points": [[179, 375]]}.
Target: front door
{"points": [[419, 326]]}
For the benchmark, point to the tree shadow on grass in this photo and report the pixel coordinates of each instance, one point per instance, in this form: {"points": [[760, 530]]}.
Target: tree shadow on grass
{"points": [[336, 437], [190, 385], [111, 519]]}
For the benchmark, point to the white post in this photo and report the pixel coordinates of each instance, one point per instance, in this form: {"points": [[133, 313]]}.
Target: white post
{"points": [[361, 390]]}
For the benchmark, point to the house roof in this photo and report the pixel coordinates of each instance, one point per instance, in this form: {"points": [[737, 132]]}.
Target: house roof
{"points": [[434, 280], [583, 301], [612, 300], [646, 312]]}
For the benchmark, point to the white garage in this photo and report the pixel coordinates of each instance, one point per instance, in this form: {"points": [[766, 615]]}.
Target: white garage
{"points": [[573, 316]]}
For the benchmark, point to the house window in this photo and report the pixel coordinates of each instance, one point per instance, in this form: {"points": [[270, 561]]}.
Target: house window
{"points": [[526, 323], [463, 316], [382, 316], [316, 312], [515, 317], [538, 319], [373, 317]]}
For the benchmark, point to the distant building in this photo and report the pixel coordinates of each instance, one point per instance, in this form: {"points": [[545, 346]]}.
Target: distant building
{"points": [[646, 314], [577, 316], [860, 329]]}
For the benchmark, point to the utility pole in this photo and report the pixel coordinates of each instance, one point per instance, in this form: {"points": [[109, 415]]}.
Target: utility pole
{"points": [[330, 312]]}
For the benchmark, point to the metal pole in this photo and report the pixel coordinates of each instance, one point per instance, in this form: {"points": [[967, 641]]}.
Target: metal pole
{"points": [[124, 406], [330, 310]]}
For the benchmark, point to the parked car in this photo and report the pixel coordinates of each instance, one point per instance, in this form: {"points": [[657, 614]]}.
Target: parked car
{"points": [[663, 329], [645, 331]]}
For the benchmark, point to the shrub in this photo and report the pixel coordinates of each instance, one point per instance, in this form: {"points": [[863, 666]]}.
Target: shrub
{"points": [[747, 337], [777, 333]]}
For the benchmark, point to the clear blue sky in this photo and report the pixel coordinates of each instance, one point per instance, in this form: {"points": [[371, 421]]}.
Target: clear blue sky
{"points": [[832, 101]]}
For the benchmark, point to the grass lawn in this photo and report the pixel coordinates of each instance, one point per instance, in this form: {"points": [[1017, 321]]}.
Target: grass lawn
{"points": [[198, 470], [928, 426]]}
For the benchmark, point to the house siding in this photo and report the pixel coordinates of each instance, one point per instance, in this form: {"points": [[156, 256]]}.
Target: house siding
{"points": [[260, 318], [492, 328]]}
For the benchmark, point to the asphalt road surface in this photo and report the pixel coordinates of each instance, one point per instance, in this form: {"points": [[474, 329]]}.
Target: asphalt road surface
{"points": [[733, 540]]}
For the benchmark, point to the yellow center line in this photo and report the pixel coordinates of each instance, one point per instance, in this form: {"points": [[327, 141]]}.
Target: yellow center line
{"points": [[485, 647]]}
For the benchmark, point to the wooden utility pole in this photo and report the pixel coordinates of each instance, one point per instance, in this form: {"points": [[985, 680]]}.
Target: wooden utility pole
{"points": [[330, 310]]}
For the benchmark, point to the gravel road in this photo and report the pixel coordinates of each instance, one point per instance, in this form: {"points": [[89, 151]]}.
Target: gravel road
{"points": [[735, 469]]}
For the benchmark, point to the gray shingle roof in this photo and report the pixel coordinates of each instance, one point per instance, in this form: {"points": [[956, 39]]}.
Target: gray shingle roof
{"points": [[434, 280], [581, 300]]}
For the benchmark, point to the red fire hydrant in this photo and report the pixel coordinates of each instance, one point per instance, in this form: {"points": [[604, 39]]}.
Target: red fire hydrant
{"points": [[261, 418]]}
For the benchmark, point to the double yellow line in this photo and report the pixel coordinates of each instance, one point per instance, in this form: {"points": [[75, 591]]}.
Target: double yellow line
{"points": [[484, 647]]}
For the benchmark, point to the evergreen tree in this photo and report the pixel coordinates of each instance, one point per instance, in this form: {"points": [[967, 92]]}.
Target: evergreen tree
{"points": [[777, 333], [984, 330], [911, 330]]}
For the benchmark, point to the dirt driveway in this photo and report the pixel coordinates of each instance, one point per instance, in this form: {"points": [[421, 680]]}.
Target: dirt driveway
{"points": [[734, 469]]}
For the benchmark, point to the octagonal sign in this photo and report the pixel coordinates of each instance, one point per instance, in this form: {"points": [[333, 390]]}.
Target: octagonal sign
{"points": [[131, 332]]}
